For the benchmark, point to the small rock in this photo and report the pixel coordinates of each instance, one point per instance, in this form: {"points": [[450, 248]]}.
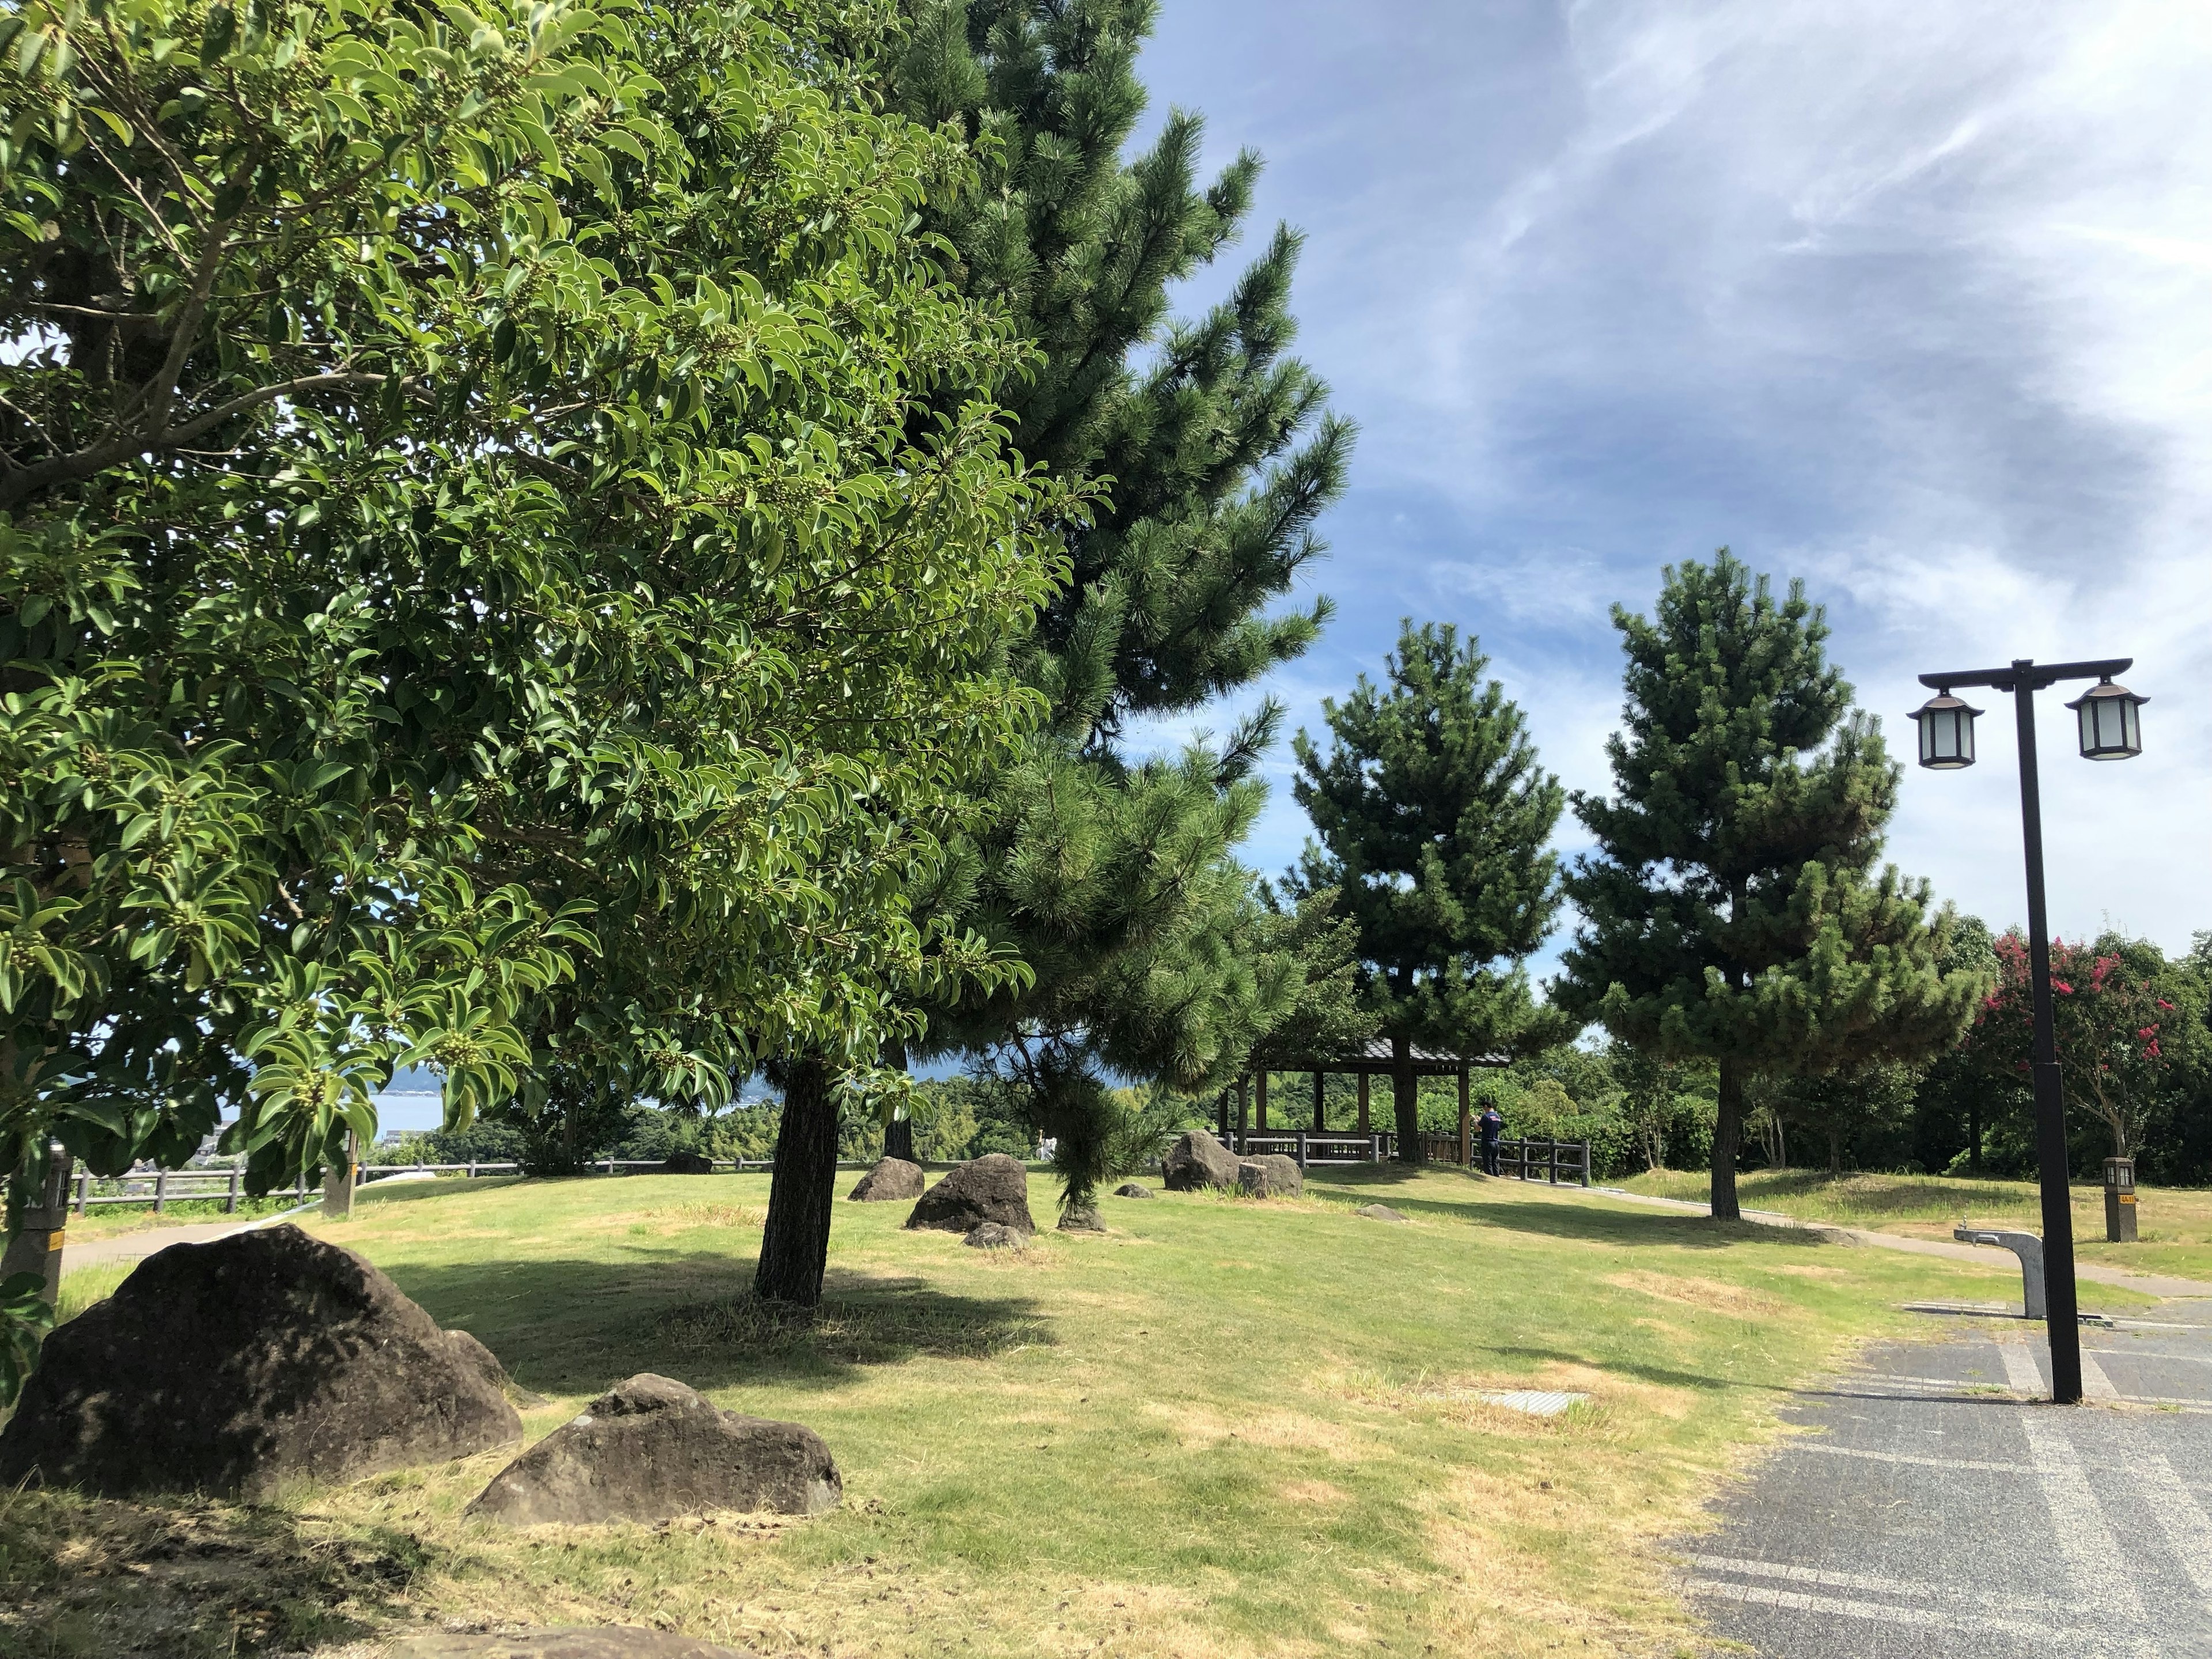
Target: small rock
{"points": [[1084, 1219], [1196, 1162], [613, 1642], [990, 1236], [234, 1366], [1378, 1212], [687, 1164], [651, 1449], [1271, 1175], [891, 1178], [1132, 1189], [992, 1187]]}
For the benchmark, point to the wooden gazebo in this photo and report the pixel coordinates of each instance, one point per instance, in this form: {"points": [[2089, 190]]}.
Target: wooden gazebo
{"points": [[1364, 1061]]}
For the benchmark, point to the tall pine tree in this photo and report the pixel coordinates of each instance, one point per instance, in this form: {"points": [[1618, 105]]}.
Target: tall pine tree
{"points": [[1732, 910], [1113, 875], [1432, 816]]}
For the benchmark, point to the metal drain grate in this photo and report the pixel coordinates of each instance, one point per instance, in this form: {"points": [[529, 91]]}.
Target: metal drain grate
{"points": [[1537, 1402]]}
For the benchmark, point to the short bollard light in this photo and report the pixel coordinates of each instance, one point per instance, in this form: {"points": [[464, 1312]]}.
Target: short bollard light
{"points": [[2112, 724], [2120, 1200], [1946, 732]]}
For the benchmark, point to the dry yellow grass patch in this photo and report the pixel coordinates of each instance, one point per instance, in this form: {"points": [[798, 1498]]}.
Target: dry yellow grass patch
{"points": [[1198, 1428], [682, 1217], [1813, 1272], [1712, 1294], [1311, 1491]]}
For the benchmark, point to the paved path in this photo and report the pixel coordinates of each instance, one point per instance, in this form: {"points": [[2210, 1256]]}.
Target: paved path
{"points": [[132, 1247], [1938, 1509], [1988, 1255]]}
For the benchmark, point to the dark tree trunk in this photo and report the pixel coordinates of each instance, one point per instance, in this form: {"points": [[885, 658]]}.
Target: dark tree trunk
{"points": [[898, 1134], [1835, 1150], [795, 1244], [1405, 1101], [1728, 1135]]}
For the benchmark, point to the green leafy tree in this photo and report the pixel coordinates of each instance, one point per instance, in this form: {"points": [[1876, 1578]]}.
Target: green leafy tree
{"points": [[1113, 875], [510, 567], [1432, 815], [1732, 911]]}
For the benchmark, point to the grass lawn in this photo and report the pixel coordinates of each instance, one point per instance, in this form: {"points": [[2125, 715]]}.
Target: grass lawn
{"points": [[2174, 1222], [1231, 1427]]}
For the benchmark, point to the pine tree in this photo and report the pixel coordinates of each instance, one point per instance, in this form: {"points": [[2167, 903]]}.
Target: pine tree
{"points": [[1432, 816], [1113, 876], [1732, 910]]}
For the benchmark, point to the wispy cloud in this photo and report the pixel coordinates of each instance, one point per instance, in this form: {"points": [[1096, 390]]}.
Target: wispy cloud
{"points": [[1911, 299]]}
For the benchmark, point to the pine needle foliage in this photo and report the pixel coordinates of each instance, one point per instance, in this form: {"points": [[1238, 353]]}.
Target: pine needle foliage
{"points": [[1111, 874], [1734, 910], [1432, 815]]}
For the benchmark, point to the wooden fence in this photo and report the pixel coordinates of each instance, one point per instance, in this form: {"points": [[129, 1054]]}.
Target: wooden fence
{"points": [[162, 1188]]}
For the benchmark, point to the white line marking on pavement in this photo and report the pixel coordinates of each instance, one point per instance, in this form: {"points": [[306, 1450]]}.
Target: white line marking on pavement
{"points": [[2093, 1561], [2021, 1368], [1907, 1457], [2095, 1385], [1925, 1618], [2188, 1529], [2011, 1602]]}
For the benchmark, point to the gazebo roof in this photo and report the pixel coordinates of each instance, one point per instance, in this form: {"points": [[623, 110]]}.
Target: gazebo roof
{"points": [[1373, 1056]]}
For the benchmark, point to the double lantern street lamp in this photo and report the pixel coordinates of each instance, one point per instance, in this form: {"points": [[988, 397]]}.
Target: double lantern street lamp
{"points": [[2111, 720]]}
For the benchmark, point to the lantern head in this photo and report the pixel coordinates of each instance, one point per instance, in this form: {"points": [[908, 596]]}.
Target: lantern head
{"points": [[1946, 732], [2111, 727]]}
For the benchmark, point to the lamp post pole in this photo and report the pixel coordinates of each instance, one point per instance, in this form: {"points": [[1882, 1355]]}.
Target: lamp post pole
{"points": [[2109, 732], [2058, 1290]]}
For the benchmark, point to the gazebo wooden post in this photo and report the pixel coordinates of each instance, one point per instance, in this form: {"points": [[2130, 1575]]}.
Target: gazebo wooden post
{"points": [[1243, 1110], [1320, 1109], [1260, 1094], [1221, 1112], [1365, 1128], [1466, 1147]]}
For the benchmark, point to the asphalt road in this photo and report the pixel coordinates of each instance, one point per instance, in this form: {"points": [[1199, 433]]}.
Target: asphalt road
{"points": [[1935, 1508]]}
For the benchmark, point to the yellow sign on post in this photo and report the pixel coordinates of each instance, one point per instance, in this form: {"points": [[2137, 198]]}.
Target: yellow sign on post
{"points": [[2120, 1200]]}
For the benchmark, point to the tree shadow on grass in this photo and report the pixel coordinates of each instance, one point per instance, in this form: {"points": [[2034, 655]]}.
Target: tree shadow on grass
{"points": [[184, 1577], [576, 1327], [1592, 1222]]}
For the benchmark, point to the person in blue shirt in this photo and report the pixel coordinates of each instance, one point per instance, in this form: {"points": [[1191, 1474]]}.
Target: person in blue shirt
{"points": [[1492, 1123]]}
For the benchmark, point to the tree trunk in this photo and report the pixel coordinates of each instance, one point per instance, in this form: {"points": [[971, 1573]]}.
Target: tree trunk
{"points": [[1835, 1150], [1405, 1102], [898, 1134], [1728, 1133], [795, 1244]]}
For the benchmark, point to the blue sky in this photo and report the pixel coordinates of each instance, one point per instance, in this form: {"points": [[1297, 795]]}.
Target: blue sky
{"points": [[1913, 301]]}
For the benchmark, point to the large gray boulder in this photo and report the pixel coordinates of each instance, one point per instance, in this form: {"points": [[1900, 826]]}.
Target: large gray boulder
{"points": [[1271, 1175], [650, 1449], [608, 1642], [891, 1178], [235, 1366], [1132, 1189], [1197, 1162], [990, 1236], [991, 1187]]}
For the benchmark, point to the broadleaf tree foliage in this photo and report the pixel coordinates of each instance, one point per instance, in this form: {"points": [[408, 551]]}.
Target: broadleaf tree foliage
{"points": [[1113, 874], [508, 561], [1431, 815], [1732, 910]]}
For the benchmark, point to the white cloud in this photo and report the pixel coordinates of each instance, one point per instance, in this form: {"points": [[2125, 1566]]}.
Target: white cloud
{"points": [[1911, 298]]}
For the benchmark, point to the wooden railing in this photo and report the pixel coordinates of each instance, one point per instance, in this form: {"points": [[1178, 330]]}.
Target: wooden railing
{"points": [[1527, 1159], [162, 1188]]}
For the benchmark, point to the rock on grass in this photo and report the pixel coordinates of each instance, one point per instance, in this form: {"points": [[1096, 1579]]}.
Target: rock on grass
{"points": [[651, 1449]]}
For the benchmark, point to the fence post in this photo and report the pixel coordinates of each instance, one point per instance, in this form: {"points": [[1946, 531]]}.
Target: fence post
{"points": [[1585, 1163], [473, 1167], [1301, 1149], [1553, 1147], [83, 1188], [161, 1190], [230, 1201]]}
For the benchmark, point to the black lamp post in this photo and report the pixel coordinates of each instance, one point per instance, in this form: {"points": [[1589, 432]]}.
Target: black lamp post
{"points": [[2111, 729]]}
